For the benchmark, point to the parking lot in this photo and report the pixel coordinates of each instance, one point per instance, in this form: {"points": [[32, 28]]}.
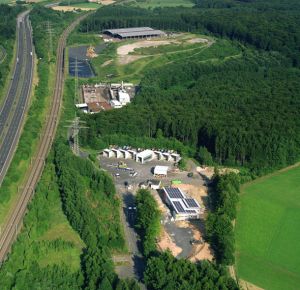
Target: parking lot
{"points": [[144, 172]]}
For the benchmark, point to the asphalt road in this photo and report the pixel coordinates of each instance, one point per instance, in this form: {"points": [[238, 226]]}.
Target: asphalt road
{"points": [[13, 110]]}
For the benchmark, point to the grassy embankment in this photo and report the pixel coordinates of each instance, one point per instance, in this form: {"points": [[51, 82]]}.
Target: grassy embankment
{"points": [[108, 63], [267, 231]]}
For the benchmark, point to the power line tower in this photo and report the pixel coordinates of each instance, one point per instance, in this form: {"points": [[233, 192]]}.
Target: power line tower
{"points": [[49, 31], [73, 133]]}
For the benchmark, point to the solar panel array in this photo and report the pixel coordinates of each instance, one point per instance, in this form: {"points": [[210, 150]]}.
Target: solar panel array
{"points": [[190, 211], [174, 192], [179, 206], [191, 203]]}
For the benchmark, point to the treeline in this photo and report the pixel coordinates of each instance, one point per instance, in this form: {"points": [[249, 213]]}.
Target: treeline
{"points": [[8, 17], [219, 224], [240, 20], [166, 272], [148, 220], [245, 111], [92, 208], [163, 271]]}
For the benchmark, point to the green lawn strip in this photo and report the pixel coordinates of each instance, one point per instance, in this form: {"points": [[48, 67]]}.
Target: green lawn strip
{"points": [[268, 251]]}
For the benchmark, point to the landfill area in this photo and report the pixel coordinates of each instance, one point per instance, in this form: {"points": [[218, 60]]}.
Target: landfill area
{"points": [[183, 238]]}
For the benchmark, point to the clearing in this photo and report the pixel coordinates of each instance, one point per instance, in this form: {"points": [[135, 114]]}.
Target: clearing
{"points": [[129, 60], [267, 235]]}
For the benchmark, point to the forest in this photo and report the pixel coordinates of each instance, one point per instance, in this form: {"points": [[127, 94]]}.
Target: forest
{"points": [[163, 271], [244, 21], [219, 227], [243, 111]]}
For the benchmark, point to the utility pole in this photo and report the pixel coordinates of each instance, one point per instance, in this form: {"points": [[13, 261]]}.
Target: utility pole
{"points": [[75, 126], [49, 31]]}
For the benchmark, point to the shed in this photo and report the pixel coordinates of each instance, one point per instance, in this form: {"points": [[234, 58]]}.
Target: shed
{"points": [[144, 156], [161, 171]]}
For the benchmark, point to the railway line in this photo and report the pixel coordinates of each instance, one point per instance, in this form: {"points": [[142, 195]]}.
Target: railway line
{"points": [[14, 222]]}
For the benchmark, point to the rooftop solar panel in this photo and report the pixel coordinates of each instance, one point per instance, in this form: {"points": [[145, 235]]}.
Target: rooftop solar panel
{"points": [[174, 192], [178, 206], [190, 211], [190, 202]]}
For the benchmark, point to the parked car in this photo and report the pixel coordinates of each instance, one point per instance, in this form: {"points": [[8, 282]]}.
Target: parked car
{"points": [[190, 174]]}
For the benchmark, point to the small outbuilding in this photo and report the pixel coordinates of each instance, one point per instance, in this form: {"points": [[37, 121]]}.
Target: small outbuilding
{"points": [[161, 171], [154, 184], [144, 156]]}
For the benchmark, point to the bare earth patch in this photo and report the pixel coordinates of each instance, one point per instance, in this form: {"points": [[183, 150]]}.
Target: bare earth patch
{"points": [[249, 286], [107, 2], [124, 50], [198, 40], [166, 243], [70, 8], [106, 63]]}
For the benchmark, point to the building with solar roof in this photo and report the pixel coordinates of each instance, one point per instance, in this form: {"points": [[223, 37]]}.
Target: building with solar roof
{"points": [[134, 32], [182, 207]]}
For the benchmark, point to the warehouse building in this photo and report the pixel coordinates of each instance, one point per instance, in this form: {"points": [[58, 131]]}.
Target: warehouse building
{"points": [[134, 32], [160, 171], [182, 207]]}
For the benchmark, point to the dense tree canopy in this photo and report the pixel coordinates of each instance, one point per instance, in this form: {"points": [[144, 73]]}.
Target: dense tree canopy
{"points": [[263, 24], [244, 111], [166, 272]]}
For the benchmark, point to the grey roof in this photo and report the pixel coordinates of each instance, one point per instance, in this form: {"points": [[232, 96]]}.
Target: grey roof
{"points": [[134, 31], [141, 33], [174, 192], [128, 30]]}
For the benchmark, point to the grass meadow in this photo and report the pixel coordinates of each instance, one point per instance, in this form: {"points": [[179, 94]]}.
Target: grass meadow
{"points": [[108, 68], [268, 231]]}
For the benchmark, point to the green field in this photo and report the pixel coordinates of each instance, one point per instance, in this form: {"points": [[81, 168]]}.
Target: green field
{"points": [[87, 5], [268, 232], [159, 3], [108, 65]]}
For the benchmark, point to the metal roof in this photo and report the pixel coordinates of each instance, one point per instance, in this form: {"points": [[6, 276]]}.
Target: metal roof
{"points": [[141, 33], [128, 30]]}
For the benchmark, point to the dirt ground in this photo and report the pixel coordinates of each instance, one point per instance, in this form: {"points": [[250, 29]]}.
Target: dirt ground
{"points": [[107, 2], [165, 243], [199, 252], [198, 40], [209, 171], [124, 50], [70, 8], [106, 63], [248, 286], [197, 192]]}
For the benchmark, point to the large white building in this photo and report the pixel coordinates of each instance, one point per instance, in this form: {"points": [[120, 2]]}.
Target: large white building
{"points": [[123, 97], [144, 156], [182, 207]]}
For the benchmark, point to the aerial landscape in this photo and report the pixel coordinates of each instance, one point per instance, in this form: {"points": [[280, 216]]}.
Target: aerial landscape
{"points": [[149, 144]]}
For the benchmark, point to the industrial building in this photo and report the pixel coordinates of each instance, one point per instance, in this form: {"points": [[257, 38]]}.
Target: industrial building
{"points": [[142, 156], [182, 207], [134, 32], [103, 97]]}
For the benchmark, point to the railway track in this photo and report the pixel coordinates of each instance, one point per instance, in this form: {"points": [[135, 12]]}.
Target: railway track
{"points": [[14, 222]]}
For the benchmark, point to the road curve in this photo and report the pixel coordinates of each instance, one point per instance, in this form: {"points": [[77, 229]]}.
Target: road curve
{"points": [[15, 105], [14, 222]]}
